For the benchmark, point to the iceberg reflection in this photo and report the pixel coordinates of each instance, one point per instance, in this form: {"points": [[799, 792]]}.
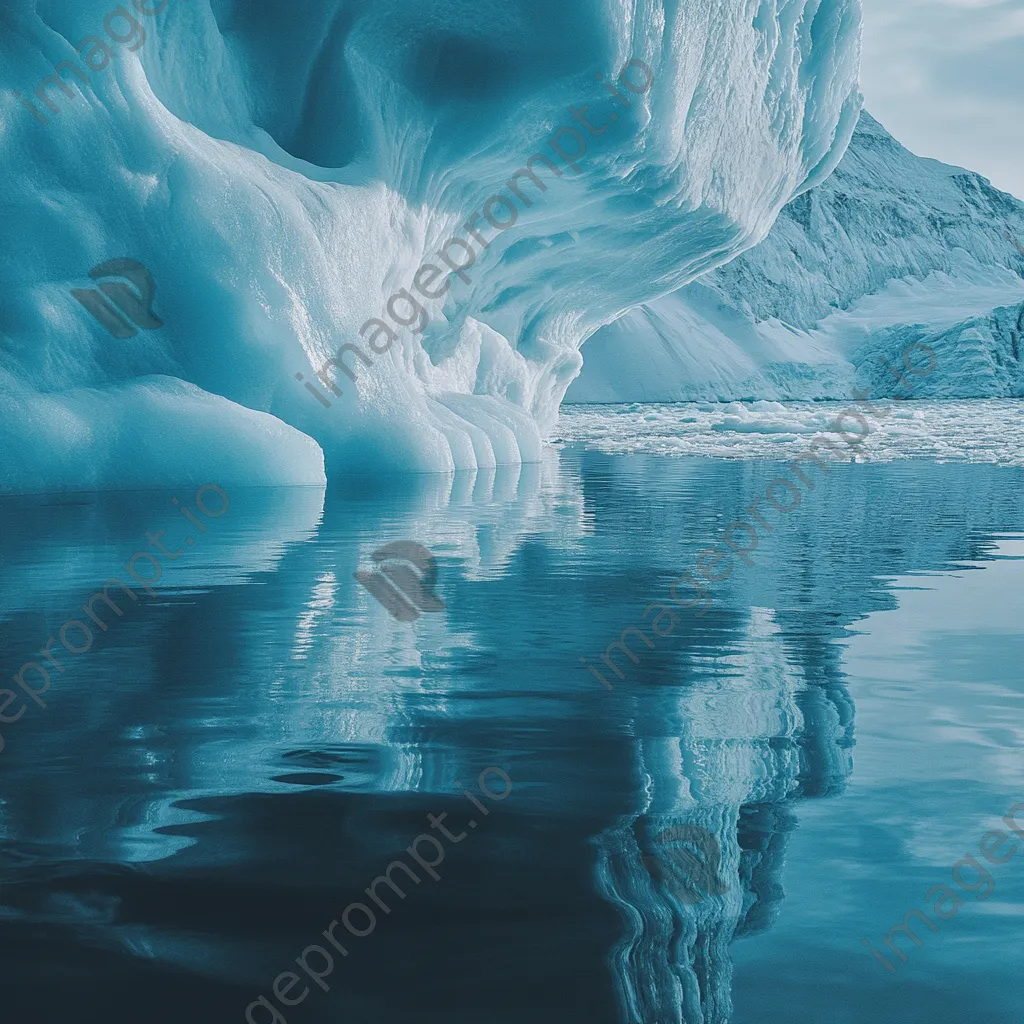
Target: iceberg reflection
{"points": [[221, 775]]}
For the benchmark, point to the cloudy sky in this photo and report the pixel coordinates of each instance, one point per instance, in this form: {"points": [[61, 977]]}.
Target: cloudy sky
{"points": [[946, 77]]}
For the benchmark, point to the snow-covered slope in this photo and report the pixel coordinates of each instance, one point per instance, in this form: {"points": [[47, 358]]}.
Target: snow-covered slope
{"points": [[285, 170], [892, 248]]}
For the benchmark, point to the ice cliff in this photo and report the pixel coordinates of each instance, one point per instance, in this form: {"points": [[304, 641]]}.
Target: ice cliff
{"points": [[285, 172], [892, 248]]}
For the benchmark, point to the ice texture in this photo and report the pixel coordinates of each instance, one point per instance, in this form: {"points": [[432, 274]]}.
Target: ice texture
{"points": [[282, 170], [891, 249], [975, 430]]}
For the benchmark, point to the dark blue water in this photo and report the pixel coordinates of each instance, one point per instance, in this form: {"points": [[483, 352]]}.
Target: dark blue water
{"points": [[238, 756]]}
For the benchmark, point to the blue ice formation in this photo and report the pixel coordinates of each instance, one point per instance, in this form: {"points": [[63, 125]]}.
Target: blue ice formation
{"points": [[892, 249], [287, 173]]}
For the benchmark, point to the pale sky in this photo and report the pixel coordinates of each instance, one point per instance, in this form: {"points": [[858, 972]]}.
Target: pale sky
{"points": [[946, 77]]}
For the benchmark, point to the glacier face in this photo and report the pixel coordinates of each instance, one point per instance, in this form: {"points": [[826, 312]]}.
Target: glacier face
{"points": [[285, 174], [890, 250]]}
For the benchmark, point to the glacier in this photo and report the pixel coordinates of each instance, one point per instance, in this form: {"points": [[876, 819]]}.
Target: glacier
{"points": [[892, 249], [285, 174]]}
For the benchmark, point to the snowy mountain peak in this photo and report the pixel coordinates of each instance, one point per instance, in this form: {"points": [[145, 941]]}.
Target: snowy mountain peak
{"points": [[892, 246]]}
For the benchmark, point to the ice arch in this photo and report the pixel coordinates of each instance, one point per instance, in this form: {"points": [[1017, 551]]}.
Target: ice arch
{"points": [[284, 173]]}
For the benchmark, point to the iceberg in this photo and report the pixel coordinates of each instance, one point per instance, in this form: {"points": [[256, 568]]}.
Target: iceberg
{"points": [[379, 234]]}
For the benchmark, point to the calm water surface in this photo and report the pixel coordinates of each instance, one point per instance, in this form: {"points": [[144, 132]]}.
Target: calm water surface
{"points": [[238, 756]]}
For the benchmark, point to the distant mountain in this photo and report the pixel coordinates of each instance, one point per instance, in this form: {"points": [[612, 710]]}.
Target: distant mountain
{"points": [[890, 249]]}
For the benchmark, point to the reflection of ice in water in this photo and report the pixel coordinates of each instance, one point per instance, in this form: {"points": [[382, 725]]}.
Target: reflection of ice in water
{"points": [[740, 745], [319, 605], [320, 664], [267, 661]]}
